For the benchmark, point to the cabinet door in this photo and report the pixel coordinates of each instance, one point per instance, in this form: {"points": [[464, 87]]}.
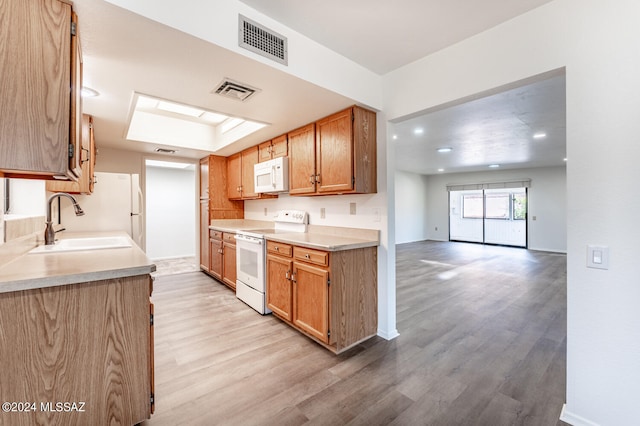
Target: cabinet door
{"points": [[311, 300], [205, 260], [302, 160], [279, 292], [216, 258], [279, 147], [234, 176], [84, 184], [249, 159], [35, 94], [334, 153], [204, 177], [229, 264], [264, 151], [75, 122]]}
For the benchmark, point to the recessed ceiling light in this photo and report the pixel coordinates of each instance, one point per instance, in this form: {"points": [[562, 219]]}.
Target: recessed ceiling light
{"points": [[494, 166], [88, 92], [564, 160], [395, 137], [539, 135], [445, 149], [441, 170], [229, 124], [418, 131]]}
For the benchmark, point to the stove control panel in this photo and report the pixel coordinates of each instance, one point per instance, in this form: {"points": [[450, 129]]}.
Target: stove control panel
{"points": [[292, 216]]}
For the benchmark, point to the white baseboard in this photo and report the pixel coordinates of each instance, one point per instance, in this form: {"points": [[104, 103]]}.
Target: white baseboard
{"points": [[388, 335], [573, 419]]}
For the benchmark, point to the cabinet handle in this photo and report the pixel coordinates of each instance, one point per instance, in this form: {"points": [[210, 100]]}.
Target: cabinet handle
{"points": [[277, 248], [317, 178], [312, 179], [306, 256], [287, 275], [293, 277]]}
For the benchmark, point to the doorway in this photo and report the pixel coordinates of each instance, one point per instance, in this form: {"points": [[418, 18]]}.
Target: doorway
{"points": [[170, 199], [489, 216]]}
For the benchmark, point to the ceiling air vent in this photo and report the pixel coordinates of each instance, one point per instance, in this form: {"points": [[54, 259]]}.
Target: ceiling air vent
{"points": [[261, 40], [234, 90]]}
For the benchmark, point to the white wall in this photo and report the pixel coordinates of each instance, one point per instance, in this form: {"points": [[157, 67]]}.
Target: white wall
{"points": [[547, 202], [596, 42], [170, 212], [411, 207]]}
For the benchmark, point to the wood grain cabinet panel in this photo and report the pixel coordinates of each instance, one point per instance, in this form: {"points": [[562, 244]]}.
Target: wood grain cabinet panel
{"points": [[279, 291], [86, 181], [302, 160], [88, 342], [339, 158], [215, 251], [214, 203], [40, 64], [229, 260], [275, 148], [311, 300], [330, 297]]}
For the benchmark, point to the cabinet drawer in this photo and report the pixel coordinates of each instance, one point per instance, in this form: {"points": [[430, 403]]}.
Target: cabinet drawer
{"points": [[310, 255], [216, 235], [279, 248], [229, 237]]}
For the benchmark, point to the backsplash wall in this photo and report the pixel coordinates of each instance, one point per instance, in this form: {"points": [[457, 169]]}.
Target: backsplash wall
{"points": [[369, 209]]}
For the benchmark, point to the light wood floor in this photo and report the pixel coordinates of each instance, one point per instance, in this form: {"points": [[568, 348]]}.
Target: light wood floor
{"points": [[482, 342]]}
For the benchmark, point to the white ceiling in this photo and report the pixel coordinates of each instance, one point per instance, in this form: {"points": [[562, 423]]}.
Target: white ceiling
{"points": [[126, 53], [384, 35]]}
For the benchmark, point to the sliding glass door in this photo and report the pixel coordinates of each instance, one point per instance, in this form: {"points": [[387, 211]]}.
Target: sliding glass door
{"points": [[492, 216]]}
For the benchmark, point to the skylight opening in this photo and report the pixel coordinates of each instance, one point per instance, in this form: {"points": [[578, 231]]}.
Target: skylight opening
{"points": [[163, 122]]}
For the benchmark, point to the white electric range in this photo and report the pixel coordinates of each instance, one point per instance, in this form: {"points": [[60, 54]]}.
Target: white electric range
{"points": [[251, 283]]}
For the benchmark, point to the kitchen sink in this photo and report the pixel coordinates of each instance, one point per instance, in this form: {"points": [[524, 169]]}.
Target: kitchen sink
{"points": [[89, 243]]}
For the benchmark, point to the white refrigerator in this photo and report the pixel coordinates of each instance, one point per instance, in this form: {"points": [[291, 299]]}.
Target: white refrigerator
{"points": [[116, 204]]}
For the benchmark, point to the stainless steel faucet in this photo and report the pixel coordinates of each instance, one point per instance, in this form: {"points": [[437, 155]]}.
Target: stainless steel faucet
{"points": [[49, 233]]}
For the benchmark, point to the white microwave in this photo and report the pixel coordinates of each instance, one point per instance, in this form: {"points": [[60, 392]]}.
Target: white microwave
{"points": [[271, 175]]}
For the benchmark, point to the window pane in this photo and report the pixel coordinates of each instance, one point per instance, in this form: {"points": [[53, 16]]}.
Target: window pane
{"points": [[472, 206], [497, 206], [519, 206]]}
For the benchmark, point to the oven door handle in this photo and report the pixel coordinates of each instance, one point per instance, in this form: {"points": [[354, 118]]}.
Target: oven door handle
{"points": [[248, 239]]}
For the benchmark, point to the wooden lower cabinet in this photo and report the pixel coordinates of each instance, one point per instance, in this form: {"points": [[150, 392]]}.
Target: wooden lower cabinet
{"points": [[280, 290], [329, 296], [89, 343], [215, 253], [229, 260], [311, 300]]}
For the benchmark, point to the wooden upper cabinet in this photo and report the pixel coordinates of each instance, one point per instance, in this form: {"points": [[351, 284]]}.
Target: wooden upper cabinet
{"points": [[302, 160], [273, 149], [41, 73], [85, 183], [335, 155], [240, 175], [346, 152], [204, 178], [249, 159], [234, 176]]}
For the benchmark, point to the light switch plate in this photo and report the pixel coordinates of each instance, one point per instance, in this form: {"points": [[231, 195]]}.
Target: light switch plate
{"points": [[597, 257]]}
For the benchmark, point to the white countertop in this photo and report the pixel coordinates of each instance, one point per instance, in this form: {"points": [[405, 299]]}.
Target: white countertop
{"points": [[30, 271], [326, 238]]}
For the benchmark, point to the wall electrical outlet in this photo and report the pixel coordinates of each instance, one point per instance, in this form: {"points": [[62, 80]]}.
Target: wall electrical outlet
{"points": [[322, 213], [265, 211], [352, 208], [376, 214]]}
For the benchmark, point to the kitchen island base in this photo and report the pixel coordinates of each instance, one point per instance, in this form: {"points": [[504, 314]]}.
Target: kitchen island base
{"points": [[78, 354]]}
